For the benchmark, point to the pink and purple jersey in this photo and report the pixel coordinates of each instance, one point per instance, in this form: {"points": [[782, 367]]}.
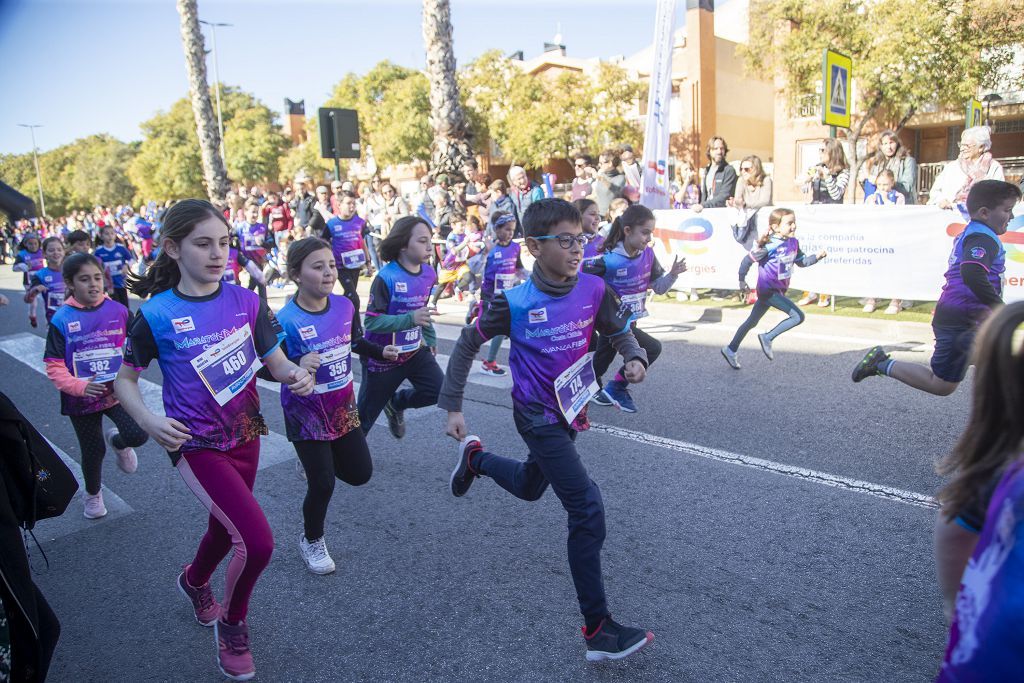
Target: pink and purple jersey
{"points": [[980, 245], [501, 269], [396, 291], [209, 349], [775, 269], [115, 260], [89, 341], [250, 240], [53, 281], [34, 260], [593, 249], [330, 411], [986, 640], [346, 237], [144, 229], [630, 278]]}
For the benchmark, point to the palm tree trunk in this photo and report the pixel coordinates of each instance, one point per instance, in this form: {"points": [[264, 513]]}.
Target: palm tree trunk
{"points": [[451, 145], [214, 173]]}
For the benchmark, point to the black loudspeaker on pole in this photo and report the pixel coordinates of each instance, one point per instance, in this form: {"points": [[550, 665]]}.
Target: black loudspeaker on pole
{"points": [[339, 135]]}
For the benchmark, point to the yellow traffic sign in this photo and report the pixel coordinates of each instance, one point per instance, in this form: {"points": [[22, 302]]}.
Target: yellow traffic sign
{"points": [[974, 114], [836, 100]]}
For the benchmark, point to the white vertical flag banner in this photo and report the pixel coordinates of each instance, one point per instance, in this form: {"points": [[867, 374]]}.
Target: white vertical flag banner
{"points": [[656, 186]]}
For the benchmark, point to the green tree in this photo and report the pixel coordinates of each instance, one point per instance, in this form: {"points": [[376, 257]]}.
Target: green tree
{"points": [[905, 55], [254, 142]]}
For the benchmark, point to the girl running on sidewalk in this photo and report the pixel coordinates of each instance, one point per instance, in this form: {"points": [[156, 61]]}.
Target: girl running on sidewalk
{"points": [[776, 253], [48, 281], [28, 260], [979, 541], [630, 268], [321, 331], [502, 271], [210, 340], [549, 320], [116, 259], [397, 315], [84, 344]]}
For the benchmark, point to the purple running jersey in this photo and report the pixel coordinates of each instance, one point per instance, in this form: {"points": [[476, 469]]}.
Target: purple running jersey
{"points": [[396, 291]]}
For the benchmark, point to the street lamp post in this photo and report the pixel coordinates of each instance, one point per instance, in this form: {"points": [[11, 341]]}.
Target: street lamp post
{"points": [[216, 75], [35, 156], [988, 100]]}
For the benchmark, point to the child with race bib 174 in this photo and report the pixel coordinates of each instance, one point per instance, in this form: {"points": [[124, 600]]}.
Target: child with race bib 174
{"points": [[549, 320], [630, 268], [777, 251], [210, 339]]}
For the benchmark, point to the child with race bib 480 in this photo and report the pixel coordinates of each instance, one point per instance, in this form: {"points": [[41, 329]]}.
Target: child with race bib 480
{"points": [[210, 340], [84, 344], [321, 330], [549, 321], [397, 315], [630, 268]]}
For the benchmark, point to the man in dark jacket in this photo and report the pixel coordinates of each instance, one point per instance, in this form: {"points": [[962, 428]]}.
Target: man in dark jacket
{"points": [[719, 183], [302, 205]]}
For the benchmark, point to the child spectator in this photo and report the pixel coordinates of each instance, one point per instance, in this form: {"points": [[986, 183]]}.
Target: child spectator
{"points": [[885, 191]]}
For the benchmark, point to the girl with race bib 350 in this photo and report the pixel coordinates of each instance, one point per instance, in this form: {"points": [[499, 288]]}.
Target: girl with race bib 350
{"points": [[629, 266], [321, 330], [210, 340], [84, 344], [397, 314]]}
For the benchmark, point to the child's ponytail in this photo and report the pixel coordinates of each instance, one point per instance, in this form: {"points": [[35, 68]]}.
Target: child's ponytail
{"points": [[633, 216], [994, 432], [774, 221], [179, 221]]}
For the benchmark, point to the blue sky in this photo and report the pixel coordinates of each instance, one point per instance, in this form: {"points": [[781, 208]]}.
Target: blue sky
{"points": [[80, 67]]}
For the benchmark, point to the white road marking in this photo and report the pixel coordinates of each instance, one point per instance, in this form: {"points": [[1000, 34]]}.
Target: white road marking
{"points": [[823, 478]]}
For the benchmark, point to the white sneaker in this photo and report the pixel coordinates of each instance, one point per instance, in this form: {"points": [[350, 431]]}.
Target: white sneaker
{"points": [[94, 508], [808, 299], [315, 554], [694, 296], [824, 301], [766, 345], [870, 305], [731, 357], [895, 306], [126, 458]]}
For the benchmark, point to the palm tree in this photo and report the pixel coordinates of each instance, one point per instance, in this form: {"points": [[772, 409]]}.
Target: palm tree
{"points": [[214, 173], [451, 145]]}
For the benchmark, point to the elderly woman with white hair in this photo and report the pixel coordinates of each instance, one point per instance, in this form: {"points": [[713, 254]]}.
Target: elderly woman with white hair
{"points": [[974, 163]]}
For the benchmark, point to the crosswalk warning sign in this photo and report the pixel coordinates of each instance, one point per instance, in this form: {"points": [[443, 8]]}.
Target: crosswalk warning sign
{"points": [[836, 74]]}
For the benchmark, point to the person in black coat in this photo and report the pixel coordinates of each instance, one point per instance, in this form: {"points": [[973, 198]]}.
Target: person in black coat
{"points": [[719, 182]]}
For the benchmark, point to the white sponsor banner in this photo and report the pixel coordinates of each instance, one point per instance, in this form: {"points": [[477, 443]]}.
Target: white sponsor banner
{"points": [[873, 251], [655, 188]]}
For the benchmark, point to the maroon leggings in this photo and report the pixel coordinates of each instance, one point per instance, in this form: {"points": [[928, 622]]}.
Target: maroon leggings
{"points": [[223, 483]]}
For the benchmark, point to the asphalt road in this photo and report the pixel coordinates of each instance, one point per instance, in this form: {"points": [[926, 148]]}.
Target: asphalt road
{"points": [[768, 524]]}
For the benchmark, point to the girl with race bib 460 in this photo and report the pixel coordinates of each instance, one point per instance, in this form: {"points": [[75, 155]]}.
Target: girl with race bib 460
{"points": [[321, 330], [210, 340]]}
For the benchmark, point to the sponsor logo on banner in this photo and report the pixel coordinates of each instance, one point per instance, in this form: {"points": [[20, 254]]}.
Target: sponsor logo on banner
{"points": [[1013, 240], [537, 315], [688, 236], [183, 324]]}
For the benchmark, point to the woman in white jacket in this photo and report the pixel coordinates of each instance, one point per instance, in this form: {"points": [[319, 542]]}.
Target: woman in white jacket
{"points": [[974, 163]]}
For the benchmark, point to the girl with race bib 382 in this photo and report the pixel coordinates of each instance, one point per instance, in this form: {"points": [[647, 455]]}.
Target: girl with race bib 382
{"points": [[629, 266], [397, 314], [210, 339], [84, 344], [321, 330]]}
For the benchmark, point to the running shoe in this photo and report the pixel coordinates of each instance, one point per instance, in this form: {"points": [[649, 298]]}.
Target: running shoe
{"points": [[234, 658], [731, 357], [396, 420], [869, 366], [94, 507], [694, 296], [894, 307], [807, 299], [601, 399], [618, 392], [490, 367], [766, 345], [315, 555], [824, 301], [870, 305], [612, 640], [463, 475], [203, 603], [126, 458]]}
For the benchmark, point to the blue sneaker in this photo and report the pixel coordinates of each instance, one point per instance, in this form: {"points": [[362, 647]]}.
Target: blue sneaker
{"points": [[618, 393], [601, 399]]}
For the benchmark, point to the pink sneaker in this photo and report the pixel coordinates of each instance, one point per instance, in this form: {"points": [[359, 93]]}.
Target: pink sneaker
{"points": [[94, 507], [233, 655], [203, 603], [126, 458]]}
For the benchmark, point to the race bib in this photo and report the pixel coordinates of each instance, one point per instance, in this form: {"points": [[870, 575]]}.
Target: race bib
{"points": [[228, 366], [636, 303], [97, 365], [54, 300], [353, 259], [407, 341], [786, 267], [503, 281], [576, 386], [335, 371], [115, 267]]}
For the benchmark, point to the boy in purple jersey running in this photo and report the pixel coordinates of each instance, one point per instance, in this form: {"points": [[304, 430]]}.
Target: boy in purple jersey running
{"points": [[210, 340], [974, 287], [549, 320]]}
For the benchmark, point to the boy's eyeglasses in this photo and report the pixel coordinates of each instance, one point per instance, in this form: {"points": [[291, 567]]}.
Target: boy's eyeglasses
{"points": [[565, 241]]}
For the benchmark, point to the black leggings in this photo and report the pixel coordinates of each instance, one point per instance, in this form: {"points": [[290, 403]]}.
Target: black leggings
{"points": [[89, 430], [348, 278], [347, 458], [377, 388], [255, 286], [605, 353], [120, 295]]}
